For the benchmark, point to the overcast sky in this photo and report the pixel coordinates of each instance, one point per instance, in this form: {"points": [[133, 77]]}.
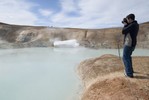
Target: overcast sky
{"points": [[72, 13]]}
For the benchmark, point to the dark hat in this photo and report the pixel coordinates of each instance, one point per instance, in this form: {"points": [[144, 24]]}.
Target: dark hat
{"points": [[131, 16]]}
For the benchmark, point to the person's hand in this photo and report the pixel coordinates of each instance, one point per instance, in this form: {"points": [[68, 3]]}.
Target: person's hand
{"points": [[125, 23]]}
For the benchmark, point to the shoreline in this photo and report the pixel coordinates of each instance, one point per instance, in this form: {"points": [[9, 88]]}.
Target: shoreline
{"points": [[107, 70]]}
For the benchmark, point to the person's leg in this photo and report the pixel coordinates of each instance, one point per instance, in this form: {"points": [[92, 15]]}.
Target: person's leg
{"points": [[131, 64], [127, 60]]}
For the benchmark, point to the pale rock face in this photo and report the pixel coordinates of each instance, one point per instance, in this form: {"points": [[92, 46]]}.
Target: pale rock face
{"points": [[148, 35], [26, 36], [21, 37], [17, 36]]}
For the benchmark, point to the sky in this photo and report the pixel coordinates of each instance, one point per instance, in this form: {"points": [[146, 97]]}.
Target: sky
{"points": [[72, 13]]}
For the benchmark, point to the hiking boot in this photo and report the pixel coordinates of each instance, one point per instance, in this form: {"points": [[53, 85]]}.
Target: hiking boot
{"points": [[128, 75]]}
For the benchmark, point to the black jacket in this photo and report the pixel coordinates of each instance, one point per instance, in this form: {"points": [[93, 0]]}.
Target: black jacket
{"points": [[132, 29]]}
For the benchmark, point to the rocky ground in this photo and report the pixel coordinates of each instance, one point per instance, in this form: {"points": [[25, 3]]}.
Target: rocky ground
{"points": [[103, 79], [16, 36]]}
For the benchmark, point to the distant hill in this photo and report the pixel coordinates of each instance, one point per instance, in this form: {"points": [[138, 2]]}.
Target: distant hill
{"points": [[19, 36]]}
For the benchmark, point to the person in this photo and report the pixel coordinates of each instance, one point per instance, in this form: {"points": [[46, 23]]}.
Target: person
{"points": [[130, 31]]}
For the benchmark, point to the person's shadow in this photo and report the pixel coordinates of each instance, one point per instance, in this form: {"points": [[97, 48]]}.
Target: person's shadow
{"points": [[141, 75]]}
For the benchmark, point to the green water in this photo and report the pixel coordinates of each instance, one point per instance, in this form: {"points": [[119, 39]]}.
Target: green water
{"points": [[45, 73]]}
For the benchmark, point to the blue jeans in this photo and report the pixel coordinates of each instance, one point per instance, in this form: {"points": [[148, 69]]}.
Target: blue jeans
{"points": [[127, 52]]}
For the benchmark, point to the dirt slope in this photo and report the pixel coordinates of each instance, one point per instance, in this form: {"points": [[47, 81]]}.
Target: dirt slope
{"points": [[103, 79], [15, 36]]}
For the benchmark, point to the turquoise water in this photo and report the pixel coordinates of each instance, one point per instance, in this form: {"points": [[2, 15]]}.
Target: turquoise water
{"points": [[45, 73]]}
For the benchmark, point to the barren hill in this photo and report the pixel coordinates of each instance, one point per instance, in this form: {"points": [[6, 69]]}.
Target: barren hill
{"points": [[17, 36], [104, 79]]}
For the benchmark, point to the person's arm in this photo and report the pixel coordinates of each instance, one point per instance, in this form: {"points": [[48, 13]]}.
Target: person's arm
{"points": [[127, 29]]}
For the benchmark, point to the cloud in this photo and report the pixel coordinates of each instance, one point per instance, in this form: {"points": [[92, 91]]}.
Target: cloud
{"points": [[45, 12], [17, 12], [68, 6], [90, 14], [74, 13], [100, 13]]}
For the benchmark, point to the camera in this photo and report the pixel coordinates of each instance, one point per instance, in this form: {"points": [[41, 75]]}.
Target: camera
{"points": [[124, 21]]}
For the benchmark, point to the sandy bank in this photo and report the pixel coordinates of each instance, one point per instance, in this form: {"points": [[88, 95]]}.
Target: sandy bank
{"points": [[103, 79]]}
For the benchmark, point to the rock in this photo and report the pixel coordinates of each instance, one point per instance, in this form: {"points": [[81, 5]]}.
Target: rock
{"points": [[92, 38], [103, 79]]}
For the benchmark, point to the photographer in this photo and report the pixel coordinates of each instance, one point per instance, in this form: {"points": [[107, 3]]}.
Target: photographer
{"points": [[130, 31]]}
